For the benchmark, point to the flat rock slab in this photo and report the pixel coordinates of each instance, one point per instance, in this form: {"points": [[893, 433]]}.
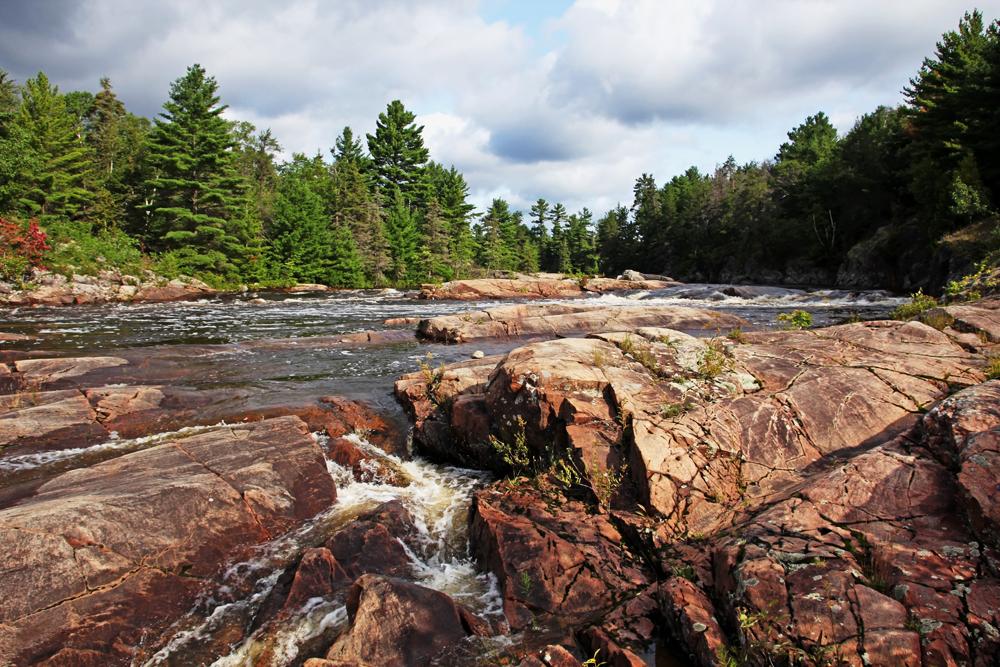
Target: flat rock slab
{"points": [[563, 319], [101, 557], [53, 372]]}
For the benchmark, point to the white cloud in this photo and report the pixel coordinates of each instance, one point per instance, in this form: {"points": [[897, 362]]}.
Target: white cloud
{"points": [[614, 88]]}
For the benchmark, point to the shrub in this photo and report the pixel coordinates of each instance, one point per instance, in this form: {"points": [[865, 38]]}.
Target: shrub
{"points": [[713, 361], [919, 302], [993, 368], [516, 454], [797, 319], [78, 248], [22, 248], [736, 335]]}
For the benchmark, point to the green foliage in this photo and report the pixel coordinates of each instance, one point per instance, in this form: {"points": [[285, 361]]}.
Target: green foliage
{"points": [[403, 241], [919, 302], [398, 155], [515, 454], [713, 361], [736, 335], [605, 482], [78, 248], [196, 186], [993, 368], [57, 163], [797, 319]]}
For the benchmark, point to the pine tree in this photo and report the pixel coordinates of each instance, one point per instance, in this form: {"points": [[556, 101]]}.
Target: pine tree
{"points": [[452, 193], [16, 158], [60, 161], [398, 155], [435, 258], [403, 237], [196, 186], [354, 206], [299, 234], [345, 268], [348, 149]]}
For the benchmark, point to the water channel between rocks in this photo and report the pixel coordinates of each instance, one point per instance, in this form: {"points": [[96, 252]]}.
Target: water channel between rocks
{"points": [[222, 343]]}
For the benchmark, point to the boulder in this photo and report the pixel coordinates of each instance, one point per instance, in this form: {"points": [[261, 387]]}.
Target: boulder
{"points": [[564, 319], [567, 566], [482, 289], [395, 623], [101, 559]]}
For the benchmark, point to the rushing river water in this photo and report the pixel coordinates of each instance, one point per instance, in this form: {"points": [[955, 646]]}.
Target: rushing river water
{"points": [[259, 344]]}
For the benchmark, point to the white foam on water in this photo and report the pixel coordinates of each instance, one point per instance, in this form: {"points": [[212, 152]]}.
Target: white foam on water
{"points": [[438, 499], [40, 459]]}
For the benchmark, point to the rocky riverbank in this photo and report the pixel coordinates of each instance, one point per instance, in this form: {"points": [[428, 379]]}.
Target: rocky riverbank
{"points": [[819, 497], [54, 289], [542, 286], [668, 482]]}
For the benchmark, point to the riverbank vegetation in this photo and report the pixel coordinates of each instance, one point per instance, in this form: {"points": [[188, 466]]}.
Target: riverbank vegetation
{"points": [[906, 198]]}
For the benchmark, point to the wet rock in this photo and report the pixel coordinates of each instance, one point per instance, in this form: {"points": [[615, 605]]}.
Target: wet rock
{"points": [[6, 337], [438, 399], [366, 466], [57, 373], [562, 319], [478, 354], [479, 289], [103, 558], [33, 421], [50, 289], [401, 321], [318, 575], [605, 285], [397, 623], [551, 656], [373, 542], [567, 565]]}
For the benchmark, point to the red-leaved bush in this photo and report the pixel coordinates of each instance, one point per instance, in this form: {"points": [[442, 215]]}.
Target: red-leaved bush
{"points": [[22, 248]]}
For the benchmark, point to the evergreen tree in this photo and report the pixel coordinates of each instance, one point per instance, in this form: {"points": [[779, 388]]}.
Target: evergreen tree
{"points": [[451, 192], [580, 239], [196, 186], [435, 260], [345, 268], [354, 206], [403, 240], [17, 160], [299, 234], [347, 149], [60, 162], [398, 154]]}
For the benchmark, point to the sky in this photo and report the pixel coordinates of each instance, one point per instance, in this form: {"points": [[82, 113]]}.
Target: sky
{"points": [[561, 99]]}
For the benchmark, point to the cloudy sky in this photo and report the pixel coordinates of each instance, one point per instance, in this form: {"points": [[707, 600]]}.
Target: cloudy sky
{"points": [[568, 100]]}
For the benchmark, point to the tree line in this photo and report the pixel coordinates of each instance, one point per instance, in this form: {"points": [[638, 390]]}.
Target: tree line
{"points": [[890, 198], [194, 193], [894, 202]]}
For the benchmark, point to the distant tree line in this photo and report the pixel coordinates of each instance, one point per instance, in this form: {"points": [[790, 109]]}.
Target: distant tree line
{"points": [[194, 193], [880, 198]]}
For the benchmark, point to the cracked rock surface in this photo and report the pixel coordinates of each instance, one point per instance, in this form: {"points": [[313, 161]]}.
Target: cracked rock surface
{"points": [[821, 497], [115, 551]]}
